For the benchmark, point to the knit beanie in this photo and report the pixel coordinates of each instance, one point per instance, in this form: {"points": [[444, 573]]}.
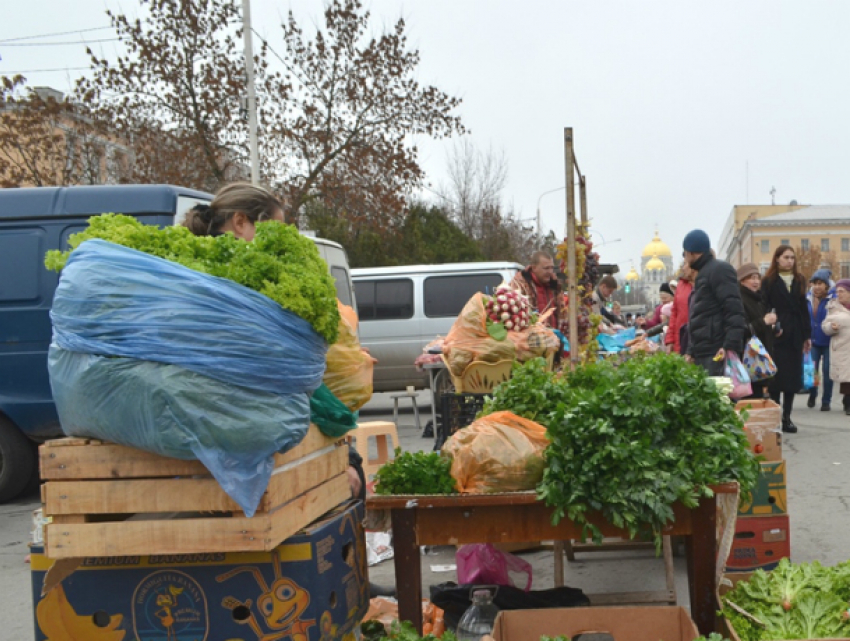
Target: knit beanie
{"points": [[665, 287], [844, 283], [821, 275], [746, 270], [696, 242]]}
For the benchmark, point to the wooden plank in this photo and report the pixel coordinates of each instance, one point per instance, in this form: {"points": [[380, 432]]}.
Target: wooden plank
{"points": [[66, 459], [123, 496], [195, 535], [288, 519], [286, 485], [137, 495]]}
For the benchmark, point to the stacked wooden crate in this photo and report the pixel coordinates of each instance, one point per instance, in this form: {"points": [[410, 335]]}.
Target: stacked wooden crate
{"points": [[102, 499], [762, 529]]}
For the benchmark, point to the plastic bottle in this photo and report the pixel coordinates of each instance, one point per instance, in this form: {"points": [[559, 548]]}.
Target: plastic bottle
{"points": [[479, 618]]}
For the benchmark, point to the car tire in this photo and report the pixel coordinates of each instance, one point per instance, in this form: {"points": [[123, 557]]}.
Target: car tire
{"points": [[17, 462]]}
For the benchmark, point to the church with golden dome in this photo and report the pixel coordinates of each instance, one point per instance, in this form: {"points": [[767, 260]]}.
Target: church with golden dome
{"points": [[656, 267]]}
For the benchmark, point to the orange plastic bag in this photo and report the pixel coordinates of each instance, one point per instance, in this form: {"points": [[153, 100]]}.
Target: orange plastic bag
{"points": [[349, 369], [468, 340], [501, 452]]}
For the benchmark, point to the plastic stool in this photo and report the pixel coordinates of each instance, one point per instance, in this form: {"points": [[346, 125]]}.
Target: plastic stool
{"points": [[381, 431], [412, 396]]}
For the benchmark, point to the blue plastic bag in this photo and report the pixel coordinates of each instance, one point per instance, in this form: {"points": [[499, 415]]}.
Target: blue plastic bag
{"points": [[808, 371], [615, 342], [154, 355]]}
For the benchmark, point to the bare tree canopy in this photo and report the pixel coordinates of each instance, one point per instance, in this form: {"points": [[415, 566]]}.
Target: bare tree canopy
{"points": [[344, 135]]}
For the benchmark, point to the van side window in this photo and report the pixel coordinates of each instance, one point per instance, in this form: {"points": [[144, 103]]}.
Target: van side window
{"points": [[384, 299], [446, 295], [343, 291], [22, 254]]}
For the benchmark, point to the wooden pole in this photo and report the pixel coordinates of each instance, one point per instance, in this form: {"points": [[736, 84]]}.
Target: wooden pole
{"points": [[583, 200], [571, 246]]}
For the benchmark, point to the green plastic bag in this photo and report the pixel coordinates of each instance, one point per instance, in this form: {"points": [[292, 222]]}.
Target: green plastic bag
{"points": [[331, 414]]}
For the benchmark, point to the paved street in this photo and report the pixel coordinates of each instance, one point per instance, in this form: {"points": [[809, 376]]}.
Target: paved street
{"points": [[818, 498]]}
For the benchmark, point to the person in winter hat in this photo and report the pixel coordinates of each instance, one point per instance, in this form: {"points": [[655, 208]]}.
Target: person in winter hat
{"points": [[760, 320], [818, 297], [716, 324], [836, 325], [665, 293]]}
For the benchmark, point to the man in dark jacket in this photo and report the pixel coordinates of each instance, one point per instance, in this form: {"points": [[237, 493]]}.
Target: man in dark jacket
{"points": [[716, 324]]}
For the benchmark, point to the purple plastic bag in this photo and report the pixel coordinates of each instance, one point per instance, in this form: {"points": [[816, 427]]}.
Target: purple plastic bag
{"points": [[483, 564]]}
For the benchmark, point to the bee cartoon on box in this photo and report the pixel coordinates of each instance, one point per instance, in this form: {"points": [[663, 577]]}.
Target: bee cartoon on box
{"points": [[279, 606]]}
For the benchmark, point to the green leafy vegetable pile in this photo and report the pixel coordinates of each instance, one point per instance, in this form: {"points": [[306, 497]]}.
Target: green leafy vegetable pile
{"points": [[416, 473], [629, 441], [280, 263], [399, 631], [793, 601]]}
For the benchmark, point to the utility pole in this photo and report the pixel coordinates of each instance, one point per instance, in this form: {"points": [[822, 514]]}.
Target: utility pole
{"points": [[247, 36]]}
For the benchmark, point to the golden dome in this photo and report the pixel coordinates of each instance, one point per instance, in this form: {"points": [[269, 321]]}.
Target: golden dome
{"points": [[655, 263], [656, 248], [633, 275]]}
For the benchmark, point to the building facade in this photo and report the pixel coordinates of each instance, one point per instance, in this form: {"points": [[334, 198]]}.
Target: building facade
{"points": [[820, 234], [740, 214], [657, 267]]}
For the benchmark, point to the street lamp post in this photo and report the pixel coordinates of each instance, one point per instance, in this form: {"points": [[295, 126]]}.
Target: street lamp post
{"points": [[551, 191]]}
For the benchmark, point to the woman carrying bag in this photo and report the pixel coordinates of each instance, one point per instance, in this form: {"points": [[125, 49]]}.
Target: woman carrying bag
{"points": [[760, 320], [784, 291], [837, 325]]}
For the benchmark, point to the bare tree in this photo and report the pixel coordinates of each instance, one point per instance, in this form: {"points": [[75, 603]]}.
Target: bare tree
{"points": [[349, 109], [811, 259], [475, 183], [46, 139]]}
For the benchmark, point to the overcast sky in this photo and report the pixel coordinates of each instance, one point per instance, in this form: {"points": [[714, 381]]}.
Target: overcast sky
{"points": [[670, 102]]}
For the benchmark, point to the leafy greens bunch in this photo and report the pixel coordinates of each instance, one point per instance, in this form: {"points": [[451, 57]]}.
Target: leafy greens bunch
{"points": [[280, 263], [793, 601], [416, 473], [629, 441]]}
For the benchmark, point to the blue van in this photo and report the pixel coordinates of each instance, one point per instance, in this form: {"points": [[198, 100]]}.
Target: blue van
{"points": [[33, 221]]}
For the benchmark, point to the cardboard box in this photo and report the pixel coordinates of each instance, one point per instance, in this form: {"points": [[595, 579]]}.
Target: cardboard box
{"points": [[763, 427], [103, 499], [769, 495], [313, 586], [760, 542], [671, 623]]}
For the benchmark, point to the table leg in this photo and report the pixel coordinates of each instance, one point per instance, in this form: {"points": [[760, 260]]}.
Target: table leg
{"points": [[432, 379], [702, 552], [408, 567]]}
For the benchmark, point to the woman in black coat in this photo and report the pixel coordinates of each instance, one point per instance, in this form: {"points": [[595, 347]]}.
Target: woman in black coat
{"points": [[760, 320], [784, 290]]}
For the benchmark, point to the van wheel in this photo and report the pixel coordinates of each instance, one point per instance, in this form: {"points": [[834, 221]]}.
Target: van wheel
{"points": [[17, 462]]}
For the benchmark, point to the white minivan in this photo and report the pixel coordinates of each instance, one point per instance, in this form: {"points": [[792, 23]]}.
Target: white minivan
{"points": [[402, 309]]}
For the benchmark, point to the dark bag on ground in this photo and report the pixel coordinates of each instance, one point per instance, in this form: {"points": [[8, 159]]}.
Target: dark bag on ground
{"points": [[454, 599]]}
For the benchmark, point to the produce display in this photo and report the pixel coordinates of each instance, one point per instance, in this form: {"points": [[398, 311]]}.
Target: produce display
{"points": [[793, 601], [508, 308], [280, 263], [400, 631], [587, 273], [474, 336], [416, 473], [629, 440]]}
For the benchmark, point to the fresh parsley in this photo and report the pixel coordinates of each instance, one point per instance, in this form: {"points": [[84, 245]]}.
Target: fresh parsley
{"points": [[416, 473]]}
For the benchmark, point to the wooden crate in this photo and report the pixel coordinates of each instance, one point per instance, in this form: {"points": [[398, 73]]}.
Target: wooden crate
{"points": [[102, 499]]}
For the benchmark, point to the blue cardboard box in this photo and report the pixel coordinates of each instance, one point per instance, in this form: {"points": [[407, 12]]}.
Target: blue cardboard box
{"points": [[312, 587]]}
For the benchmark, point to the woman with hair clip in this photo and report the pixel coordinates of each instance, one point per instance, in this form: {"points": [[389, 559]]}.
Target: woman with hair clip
{"points": [[236, 209], [784, 292]]}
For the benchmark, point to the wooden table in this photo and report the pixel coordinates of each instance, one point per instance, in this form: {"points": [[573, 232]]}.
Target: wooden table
{"points": [[520, 517]]}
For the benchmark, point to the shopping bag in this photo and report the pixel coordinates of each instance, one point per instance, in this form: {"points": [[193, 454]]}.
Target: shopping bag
{"points": [[808, 371], [757, 361], [483, 563], [736, 371]]}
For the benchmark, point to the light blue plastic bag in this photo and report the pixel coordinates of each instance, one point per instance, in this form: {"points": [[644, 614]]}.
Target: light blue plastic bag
{"points": [[615, 342], [154, 355], [808, 371]]}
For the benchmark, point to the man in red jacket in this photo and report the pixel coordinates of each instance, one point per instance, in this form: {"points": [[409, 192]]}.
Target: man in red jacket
{"points": [[679, 315], [540, 285]]}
